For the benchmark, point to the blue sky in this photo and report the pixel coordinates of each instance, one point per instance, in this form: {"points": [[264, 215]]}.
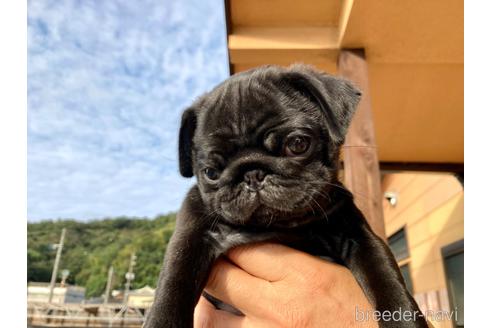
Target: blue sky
{"points": [[107, 82]]}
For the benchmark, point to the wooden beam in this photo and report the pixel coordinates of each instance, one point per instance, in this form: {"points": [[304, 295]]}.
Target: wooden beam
{"points": [[346, 9], [285, 12], [283, 38], [287, 44], [330, 67], [227, 12], [392, 167], [361, 165]]}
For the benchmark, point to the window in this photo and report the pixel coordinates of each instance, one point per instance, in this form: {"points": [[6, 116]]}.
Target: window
{"points": [[398, 244], [453, 256], [405, 272]]}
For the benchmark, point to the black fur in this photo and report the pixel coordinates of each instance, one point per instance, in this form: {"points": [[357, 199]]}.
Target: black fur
{"points": [[259, 191]]}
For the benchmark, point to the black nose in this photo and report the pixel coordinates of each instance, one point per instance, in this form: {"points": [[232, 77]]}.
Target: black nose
{"points": [[254, 179]]}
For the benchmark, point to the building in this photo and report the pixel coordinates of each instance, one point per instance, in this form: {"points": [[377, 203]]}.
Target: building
{"points": [[139, 298], [39, 292], [424, 221], [406, 142]]}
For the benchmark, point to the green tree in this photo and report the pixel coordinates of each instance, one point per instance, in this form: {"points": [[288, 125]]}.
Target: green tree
{"points": [[91, 247]]}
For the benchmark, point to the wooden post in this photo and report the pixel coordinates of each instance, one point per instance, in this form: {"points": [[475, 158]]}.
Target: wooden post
{"points": [[360, 158]]}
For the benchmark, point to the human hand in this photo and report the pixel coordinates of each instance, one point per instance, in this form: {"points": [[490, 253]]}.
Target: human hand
{"points": [[276, 286]]}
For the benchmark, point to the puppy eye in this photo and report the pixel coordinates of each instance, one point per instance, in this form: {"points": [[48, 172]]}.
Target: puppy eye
{"points": [[297, 145], [211, 173]]}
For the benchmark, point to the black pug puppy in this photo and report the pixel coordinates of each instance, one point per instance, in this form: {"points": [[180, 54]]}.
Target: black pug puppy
{"points": [[264, 146]]}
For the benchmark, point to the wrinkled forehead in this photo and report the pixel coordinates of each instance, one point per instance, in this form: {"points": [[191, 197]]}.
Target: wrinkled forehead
{"points": [[238, 109], [234, 125]]}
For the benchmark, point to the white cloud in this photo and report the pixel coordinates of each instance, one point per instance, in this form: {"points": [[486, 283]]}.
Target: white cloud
{"points": [[107, 82]]}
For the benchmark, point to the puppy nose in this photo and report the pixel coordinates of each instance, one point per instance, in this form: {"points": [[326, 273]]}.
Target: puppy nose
{"points": [[254, 179]]}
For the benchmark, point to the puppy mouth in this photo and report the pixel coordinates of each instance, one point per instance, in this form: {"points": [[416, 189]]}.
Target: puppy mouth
{"points": [[268, 207], [279, 201], [261, 211], [267, 216]]}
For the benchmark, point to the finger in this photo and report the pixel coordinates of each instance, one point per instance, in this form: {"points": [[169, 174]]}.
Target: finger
{"points": [[206, 316], [236, 287], [269, 261]]}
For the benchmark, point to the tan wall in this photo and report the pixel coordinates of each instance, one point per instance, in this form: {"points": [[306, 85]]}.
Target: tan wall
{"points": [[430, 207]]}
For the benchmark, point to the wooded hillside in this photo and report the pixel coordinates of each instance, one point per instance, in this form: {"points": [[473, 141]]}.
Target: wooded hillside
{"points": [[91, 247]]}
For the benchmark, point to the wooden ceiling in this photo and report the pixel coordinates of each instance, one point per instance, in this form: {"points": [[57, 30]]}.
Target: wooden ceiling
{"points": [[414, 52]]}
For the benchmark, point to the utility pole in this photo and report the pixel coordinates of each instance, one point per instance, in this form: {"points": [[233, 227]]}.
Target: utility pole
{"points": [[129, 277], [109, 283], [59, 248]]}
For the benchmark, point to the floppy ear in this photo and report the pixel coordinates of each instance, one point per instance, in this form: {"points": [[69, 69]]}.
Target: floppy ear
{"points": [[337, 98], [186, 133]]}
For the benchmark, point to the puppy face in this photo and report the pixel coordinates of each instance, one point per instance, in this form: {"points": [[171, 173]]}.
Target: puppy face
{"points": [[264, 144]]}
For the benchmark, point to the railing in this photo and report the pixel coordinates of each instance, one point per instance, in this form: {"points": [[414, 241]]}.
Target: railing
{"points": [[84, 315]]}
